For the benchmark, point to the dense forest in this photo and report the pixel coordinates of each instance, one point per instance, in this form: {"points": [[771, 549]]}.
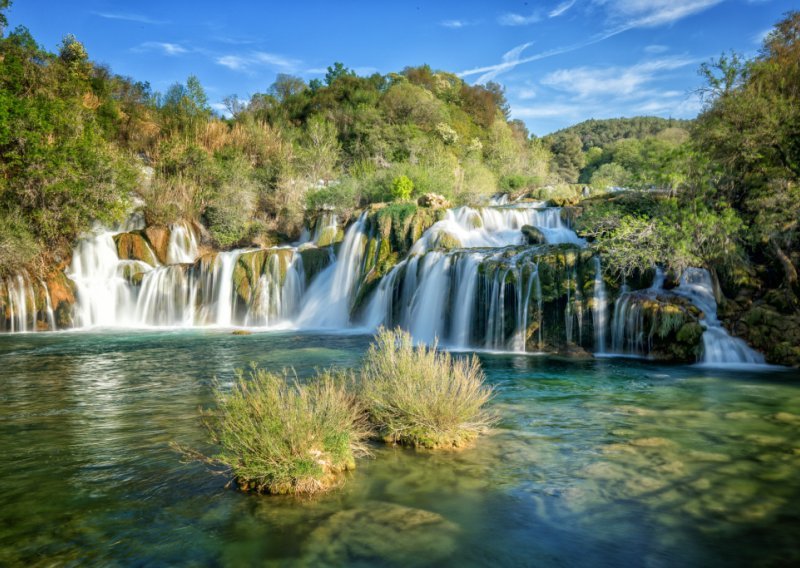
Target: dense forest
{"points": [[80, 145]]}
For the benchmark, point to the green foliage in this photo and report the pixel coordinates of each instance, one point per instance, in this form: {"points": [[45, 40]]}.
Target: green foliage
{"points": [[402, 188], [422, 397], [282, 437]]}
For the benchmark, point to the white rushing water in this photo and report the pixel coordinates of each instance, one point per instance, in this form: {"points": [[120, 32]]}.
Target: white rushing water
{"points": [[469, 281], [719, 348]]}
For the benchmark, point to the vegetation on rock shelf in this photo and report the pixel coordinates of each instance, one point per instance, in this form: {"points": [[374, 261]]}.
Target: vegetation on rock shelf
{"points": [[282, 437], [418, 396]]}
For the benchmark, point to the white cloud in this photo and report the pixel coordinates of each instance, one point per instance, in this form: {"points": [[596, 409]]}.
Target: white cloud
{"points": [[518, 20], [165, 47], [622, 15], [655, 48], [257, 59], [138, 18], [561, 9], [545, 111], [651, 13], [589, 82], [456, 24], [526, 93], [759, 38], [510, 59]]}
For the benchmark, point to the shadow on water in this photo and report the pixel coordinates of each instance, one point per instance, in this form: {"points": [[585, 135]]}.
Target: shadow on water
{"points": [[593, 463]]}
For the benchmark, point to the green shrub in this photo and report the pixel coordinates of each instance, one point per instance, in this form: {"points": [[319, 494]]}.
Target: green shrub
{"points": [[402, 186], [421, 397], [282, 437]]}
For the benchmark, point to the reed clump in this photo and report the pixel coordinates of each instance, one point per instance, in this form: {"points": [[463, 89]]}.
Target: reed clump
{"points": [[279, 436], [420, 397]]}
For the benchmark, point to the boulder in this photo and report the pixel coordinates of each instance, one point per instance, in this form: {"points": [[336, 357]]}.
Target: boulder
{"points": [[158, 235], [134, 246], [533, 236], [433, 200]]}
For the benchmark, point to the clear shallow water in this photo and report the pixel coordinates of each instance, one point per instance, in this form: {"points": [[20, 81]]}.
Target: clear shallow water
{"points": [[597, 463]]}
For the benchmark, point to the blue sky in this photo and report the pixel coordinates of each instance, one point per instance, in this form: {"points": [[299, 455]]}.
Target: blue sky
{"points": [[561, 61]]}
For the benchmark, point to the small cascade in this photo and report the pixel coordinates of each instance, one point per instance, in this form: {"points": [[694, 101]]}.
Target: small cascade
{"points": [[49, 313], [599, 308], [329, 298], [326, 228], [494, 227], [104, 295], [719, 348], [25, 304], [182, 247]]}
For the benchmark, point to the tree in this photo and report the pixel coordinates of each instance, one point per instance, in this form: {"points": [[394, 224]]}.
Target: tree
{"points": [[286, 86], [336, 71], [402, 188]]}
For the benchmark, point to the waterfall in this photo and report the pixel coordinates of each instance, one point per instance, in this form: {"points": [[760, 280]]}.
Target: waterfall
{"points": [[492, 227], [469, 281], [329, 298], [182, 246], [104, 296], [599, 308], [718, 345]]}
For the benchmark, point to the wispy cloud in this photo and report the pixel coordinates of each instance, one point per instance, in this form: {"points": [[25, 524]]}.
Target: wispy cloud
{"points": [[456, 24], [256, 59], [510, 59], [561, 9], [655, 48], [545, 111], [511, 19], [622, 15], [588, 82], [759, 38], [138, 18], [652, 13], [165, 47]]}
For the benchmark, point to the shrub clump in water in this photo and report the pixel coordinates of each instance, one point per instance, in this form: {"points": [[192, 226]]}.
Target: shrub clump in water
{"points": [[420, 397], [282, 437]]}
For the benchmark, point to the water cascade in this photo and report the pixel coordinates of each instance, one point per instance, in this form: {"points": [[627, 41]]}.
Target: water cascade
{"points": [[718, 345], [599, 308], [504, 277]]}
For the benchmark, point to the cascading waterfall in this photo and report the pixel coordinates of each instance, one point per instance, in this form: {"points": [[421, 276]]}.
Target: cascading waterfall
{"points": [[470, 280], [599, 308], [182, 247], [718, 345], [25, 304], [329, 299]]}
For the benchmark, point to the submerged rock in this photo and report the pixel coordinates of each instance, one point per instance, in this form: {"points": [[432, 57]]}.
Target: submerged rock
{"points": [[384, 534]]}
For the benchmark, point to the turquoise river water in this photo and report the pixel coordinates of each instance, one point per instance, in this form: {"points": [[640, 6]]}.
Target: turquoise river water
{"points": [[610, 462]]}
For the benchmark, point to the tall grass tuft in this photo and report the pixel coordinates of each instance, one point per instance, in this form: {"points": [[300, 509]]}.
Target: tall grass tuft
{"points": [[421, 397], [282, 437]]}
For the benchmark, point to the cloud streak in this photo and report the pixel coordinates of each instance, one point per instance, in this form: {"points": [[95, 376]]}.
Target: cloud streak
{"points": [[561, 9], [138, 18], [256, 59], [511, 19], [457, 24], [623, 15], [165, 47], [588, 82]]}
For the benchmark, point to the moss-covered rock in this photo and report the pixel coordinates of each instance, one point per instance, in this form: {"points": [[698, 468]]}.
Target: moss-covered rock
{"points": [[134, 246], [315, 260], [533, 236]]}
